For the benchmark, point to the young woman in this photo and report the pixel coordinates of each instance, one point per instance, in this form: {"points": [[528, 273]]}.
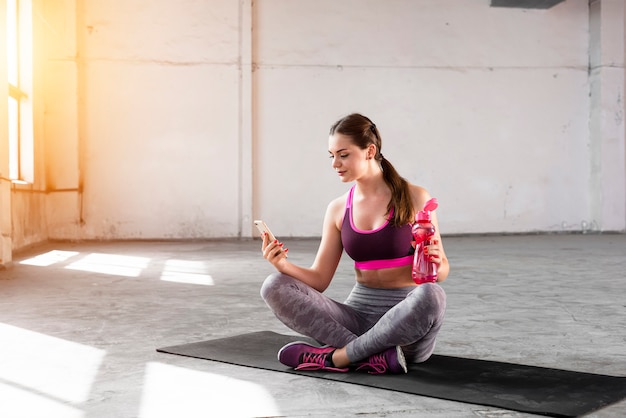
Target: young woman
{"points": [[387, 319]]}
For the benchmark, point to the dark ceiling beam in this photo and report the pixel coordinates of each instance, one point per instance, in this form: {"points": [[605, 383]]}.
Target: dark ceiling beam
{"points": [[526, 4]]}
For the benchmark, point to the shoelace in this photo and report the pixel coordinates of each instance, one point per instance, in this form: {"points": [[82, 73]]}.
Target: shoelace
{"points": [[317, 361], [312, 361], [377, 363]]}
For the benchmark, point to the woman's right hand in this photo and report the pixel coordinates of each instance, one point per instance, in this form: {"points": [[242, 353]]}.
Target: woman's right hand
{"points": [[273, 251]]}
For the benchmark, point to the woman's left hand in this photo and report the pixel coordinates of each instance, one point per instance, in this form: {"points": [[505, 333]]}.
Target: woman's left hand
{"points": [[433, 250]]}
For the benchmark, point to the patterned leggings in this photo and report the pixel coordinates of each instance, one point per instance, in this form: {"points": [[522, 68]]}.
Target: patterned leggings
{"points": [[370, 321]]}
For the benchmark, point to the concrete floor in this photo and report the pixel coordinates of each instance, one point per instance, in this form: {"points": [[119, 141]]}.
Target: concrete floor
{"points": [[80, 322]]}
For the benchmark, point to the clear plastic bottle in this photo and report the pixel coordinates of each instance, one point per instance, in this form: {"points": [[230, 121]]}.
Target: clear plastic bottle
{"points": [[424, 271]]}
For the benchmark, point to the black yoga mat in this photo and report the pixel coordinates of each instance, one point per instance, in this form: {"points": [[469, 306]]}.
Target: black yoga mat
{"points": [[517, 387]]}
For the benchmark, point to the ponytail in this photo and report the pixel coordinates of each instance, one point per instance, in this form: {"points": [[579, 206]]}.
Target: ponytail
{"points": [[401, 201]]}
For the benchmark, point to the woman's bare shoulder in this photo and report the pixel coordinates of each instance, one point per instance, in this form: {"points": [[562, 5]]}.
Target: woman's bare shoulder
{"points": [[338, 204], [336, 209], [419, 195]]}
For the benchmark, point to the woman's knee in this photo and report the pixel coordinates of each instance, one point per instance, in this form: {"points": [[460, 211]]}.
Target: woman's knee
{"points": [[431, 294], [273, 283]]}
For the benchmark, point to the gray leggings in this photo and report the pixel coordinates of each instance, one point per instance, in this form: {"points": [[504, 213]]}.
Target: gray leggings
{"points": [[370, 321]]}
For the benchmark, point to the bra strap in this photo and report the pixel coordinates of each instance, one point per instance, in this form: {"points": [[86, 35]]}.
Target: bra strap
{"points": [[350, 194]]}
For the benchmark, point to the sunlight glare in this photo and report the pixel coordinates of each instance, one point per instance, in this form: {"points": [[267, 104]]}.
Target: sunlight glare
{"points": [[171, 391], [49, 258], [14, 151], [185, 271], [19, 403], [117, 265], [59, 368], [12, 42]]}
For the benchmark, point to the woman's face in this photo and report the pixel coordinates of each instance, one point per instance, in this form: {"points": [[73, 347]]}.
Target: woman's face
{"points": [[348, 160]]}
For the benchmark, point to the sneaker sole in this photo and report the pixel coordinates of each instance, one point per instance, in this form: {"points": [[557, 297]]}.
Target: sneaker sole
{"points": [[401, 358]]}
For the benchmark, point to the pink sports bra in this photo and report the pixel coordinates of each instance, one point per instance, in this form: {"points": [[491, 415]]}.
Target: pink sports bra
{"points": [[385, 247]]}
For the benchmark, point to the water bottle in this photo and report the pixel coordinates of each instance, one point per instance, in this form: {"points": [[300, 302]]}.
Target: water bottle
{"points": [[424, 271]]}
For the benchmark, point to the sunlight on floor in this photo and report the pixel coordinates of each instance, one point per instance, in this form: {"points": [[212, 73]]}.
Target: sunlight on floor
{"points": [[171, 391], [174, 270], [51, 366], [117, 265], [184, 271], [49, 258], [20, 403]]}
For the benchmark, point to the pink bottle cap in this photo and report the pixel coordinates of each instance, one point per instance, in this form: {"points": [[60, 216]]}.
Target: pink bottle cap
{"points": [[429, 206]]}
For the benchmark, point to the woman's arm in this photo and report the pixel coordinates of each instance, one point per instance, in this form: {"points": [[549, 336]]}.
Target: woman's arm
{"points": [[437, 253], [321, 273]]}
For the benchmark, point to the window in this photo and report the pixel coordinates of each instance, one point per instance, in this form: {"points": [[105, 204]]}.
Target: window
{"points": [[19, 63]]}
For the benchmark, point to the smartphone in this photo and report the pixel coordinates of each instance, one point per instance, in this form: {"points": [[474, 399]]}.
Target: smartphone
{"points": [[262, 227]]}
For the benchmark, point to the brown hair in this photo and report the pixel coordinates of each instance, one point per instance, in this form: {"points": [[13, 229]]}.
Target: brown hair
{"points": [[363, 133]]}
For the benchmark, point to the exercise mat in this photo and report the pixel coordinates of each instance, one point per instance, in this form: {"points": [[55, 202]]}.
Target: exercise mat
{"points": [[516, 387]]}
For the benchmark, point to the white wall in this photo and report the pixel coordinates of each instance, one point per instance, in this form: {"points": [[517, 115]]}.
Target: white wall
{"points": [[486, 107], [186, 119], [158, 123]]}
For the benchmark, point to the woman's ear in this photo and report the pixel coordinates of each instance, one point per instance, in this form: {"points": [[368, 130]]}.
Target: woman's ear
{"points": [[371, 151]]}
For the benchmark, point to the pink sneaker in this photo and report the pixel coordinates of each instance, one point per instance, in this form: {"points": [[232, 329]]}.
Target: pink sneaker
{"points": [[389, 361], [304, 356]]}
